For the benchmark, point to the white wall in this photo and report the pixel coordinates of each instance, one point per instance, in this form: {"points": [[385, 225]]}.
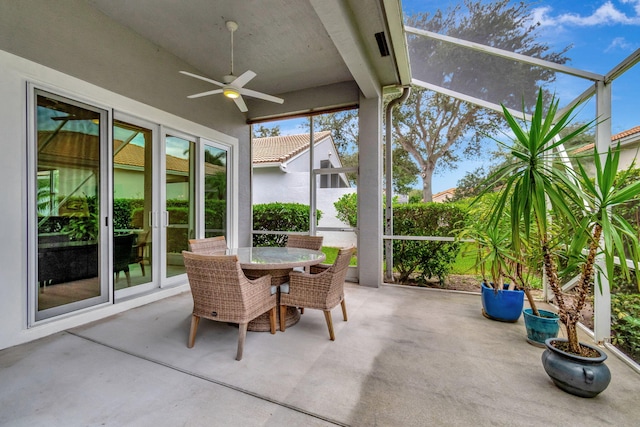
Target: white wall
{"points": [[271, 184]]}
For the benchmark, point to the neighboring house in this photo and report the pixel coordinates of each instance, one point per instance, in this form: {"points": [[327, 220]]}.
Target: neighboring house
{"points": [[629, 141], [443, 196], [281, 174]]}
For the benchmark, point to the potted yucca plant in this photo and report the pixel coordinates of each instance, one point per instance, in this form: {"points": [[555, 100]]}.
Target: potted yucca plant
{"points": [[538, 189]]}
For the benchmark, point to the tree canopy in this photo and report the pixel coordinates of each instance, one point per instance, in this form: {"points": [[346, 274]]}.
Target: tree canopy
{"points": [[438, 131]]}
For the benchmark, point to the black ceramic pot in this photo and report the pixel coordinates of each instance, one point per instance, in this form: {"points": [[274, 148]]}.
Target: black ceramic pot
{"points": [[580, 376]]}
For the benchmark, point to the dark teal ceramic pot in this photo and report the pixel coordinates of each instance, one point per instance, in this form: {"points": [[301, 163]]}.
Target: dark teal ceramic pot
{"points": [[580, 376], [540, 328]]}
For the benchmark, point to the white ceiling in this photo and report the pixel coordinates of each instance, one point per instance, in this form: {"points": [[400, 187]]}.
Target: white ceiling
{"points": [[291, 44]]}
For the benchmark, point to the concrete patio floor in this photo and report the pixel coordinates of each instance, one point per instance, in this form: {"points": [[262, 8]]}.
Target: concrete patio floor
{"points": [[406, 357]]}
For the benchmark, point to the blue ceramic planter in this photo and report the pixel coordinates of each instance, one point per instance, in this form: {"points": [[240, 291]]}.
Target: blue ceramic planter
{"points": [[504, 305], [540, 328]]}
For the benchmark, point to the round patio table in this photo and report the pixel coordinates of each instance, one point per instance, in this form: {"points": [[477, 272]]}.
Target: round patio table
{"points": [[277, 262]]}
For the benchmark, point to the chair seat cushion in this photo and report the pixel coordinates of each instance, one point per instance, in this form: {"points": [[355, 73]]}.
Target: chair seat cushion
{"points": [[284, 288], [274, 289]]}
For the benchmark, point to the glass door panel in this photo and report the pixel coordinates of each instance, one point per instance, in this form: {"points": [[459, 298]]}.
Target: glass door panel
{"points": [[180, 201], [215, 191], [132, 204], [69, 137]]}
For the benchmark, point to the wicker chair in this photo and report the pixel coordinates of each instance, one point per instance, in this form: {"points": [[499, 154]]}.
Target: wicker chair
{"points": [[222, 292], [304, 242], [210, 245], [322, 291]]}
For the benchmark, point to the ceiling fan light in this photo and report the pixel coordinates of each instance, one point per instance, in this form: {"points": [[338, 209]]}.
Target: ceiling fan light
{"points": [[231, 92]]}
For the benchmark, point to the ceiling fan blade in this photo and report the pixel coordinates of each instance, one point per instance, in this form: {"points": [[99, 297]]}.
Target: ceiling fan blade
{"points": [[241, 105], [186, 73], [243, 79], [210, 92], [261, 95]]}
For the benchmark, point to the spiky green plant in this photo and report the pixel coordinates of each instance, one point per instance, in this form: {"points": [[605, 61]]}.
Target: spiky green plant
{"points": [[538, 188]]}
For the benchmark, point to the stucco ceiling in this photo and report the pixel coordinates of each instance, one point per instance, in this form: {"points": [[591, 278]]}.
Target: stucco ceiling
{"points": [[291, 44]]}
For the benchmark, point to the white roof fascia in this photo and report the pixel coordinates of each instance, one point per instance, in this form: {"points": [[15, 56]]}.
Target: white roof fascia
{"points": [[268, 165], [509, 55], [627, 140], [392, 9], [336, 19]]}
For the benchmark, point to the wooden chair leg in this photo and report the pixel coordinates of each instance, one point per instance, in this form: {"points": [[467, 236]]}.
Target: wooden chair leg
{"points": [[128, 275], [242, 333], [344, 310], [272, 319], [327, 316], [283, 317], [195, 320], [301, 310]]}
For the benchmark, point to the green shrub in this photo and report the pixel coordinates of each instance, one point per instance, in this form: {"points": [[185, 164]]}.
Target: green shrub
{"points": [[347, 209], [215, 214], [122, 214], [625, 324], [428, 258], [279, 217]]}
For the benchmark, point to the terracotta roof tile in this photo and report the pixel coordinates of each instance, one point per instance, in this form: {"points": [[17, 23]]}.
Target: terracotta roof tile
{"points": [[615, 137], [279, 149], [626, 133]]}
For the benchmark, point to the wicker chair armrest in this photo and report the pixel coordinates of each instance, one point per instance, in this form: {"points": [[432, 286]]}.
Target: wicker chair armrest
{"points": [[319, 268], [260, 287], [301, 283]]}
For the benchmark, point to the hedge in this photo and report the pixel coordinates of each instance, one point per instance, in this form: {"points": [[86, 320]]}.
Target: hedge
{"points": [[426, 258], [279, 217]]}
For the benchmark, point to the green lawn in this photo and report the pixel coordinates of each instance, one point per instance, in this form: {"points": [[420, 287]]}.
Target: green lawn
{"points": [[331, 254], [466, 260]]}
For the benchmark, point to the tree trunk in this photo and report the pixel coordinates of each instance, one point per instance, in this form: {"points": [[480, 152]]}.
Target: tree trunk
{"points": [[532, 302], [572, 337], [427, 177]]}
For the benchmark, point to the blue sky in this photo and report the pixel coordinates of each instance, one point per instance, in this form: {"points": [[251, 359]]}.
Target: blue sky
{"points": [[602, 33]]}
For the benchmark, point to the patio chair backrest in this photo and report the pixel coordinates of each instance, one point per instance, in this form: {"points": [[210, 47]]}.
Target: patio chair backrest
{"points": [[209, 245], [304, 242]]}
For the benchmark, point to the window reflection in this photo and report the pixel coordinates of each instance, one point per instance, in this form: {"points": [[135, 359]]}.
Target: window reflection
{"points": [[68, 182], [132, 204], [215, 191]]}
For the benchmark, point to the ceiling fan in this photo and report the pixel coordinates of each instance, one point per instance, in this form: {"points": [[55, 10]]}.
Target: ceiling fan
{"points": [[233, 86]]}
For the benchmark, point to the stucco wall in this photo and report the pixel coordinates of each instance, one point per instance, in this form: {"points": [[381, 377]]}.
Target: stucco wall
{"points": [[271, 184]]}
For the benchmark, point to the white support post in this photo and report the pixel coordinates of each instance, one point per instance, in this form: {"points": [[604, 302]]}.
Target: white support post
{"points": [[312, 180], [370, 192], [602, 295]]}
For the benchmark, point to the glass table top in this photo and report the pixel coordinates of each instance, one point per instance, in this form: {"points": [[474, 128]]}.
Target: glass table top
{"points": [[276, 257]]}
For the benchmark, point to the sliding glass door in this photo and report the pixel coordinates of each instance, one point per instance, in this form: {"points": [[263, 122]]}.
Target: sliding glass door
{"points": [[179, 212], [215, 190], [113, 203], [132, 206], [70, 142]]}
